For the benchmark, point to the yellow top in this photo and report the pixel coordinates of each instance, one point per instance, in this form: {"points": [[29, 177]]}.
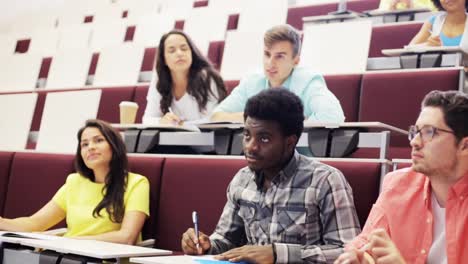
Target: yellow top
{"points": [[79, 196]]}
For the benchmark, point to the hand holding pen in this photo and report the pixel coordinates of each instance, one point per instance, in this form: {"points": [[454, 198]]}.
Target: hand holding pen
{"points": [[195, 224], [195, 242], [171, 119]]}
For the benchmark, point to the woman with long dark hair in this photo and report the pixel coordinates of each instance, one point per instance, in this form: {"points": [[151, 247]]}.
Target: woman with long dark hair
{"points": [[186, 87], [102, 200]]}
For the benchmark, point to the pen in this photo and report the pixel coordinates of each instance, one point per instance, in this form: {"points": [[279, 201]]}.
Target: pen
{"points": [[195, 224], [176, 123]]}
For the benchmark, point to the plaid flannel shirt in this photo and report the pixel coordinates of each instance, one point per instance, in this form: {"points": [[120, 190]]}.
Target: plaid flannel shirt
{"points": [[308, 212]]}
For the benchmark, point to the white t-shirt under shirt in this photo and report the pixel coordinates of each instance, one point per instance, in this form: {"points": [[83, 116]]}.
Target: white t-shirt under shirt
{"points": [[185, 108], [438, 251]]}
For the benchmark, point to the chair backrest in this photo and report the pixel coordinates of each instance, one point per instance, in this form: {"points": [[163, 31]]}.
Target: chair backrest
{"points": [[19, 72], [7, 45], [119, 65], [383, 37], [107, 34], [16, 118], [249, 16], [242, 57], [58, 134], [395, 98], [297, 13], [140, 99], [44, 41], [196, 25], [110, 100], [38, 174], [192, 184], [364, 179], [347, 88], [326, 53], [323, 7], [74, 37], [151, 168], [5, 165], [69, 68], [150, 28]]}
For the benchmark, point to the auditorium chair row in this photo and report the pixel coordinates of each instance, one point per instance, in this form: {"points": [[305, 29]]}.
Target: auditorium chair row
{"points": [[389, 97], [382, 37], [178, 185]]}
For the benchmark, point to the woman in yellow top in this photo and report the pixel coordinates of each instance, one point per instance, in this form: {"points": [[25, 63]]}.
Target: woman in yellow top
{"points": [[102, 201]]}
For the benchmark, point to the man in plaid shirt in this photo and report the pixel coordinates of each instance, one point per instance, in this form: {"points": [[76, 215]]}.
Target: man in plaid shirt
{"points": [[283, 207]]}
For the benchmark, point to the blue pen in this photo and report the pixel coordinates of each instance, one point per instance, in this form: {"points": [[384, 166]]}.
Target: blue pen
{"points": [[195, 224]]}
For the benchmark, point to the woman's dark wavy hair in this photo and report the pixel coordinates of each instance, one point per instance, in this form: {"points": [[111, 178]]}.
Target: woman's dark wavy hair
{"points": [[116, 180], [200, 75], [438, 5]]}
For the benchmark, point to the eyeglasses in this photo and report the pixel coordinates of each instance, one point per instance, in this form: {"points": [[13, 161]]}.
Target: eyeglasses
{"points": [[426, 132]]}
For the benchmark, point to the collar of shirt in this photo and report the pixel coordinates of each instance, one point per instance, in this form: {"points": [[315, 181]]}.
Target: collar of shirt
{"points": [[285, 84], [459, 189], [285, 173]]}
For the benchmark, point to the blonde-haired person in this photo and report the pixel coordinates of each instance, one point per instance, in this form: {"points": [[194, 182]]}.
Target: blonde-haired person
{"points": [[282, 46], [102, 200]]}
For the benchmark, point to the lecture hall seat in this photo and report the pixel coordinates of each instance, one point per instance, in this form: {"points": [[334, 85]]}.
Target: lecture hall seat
{"points": [[6, 158]]}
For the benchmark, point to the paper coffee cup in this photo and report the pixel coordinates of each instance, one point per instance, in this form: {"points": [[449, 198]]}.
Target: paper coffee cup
{"points": [[128, 111]]}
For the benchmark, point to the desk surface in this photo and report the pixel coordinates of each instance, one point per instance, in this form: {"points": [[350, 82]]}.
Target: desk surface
{"points": [[373, 125], [307, 124], [378, 12], [330, 17], [89, 248], [421, 49]]}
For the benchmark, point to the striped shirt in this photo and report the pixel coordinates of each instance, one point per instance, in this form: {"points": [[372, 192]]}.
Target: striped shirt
{"points": [[308, 212]]}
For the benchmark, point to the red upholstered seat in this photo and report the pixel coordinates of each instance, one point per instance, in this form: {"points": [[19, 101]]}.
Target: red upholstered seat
{"points": [[5, 164], [230, 85], [394, 98], [347, 89], [295, 14], [190, 184], [364, 178], [140, 98], [383, 37], [151, 167], [149, 59], [215, 53], [39, 175], [110, 99]]}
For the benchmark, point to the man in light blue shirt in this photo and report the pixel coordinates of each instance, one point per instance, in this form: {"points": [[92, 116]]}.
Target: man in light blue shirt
{"points": [[281, 56]]}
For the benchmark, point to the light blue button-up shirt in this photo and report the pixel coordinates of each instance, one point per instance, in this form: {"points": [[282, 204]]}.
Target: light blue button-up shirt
{"points": [[320, 104]]}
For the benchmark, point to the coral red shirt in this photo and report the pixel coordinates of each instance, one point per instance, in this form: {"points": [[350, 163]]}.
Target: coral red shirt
{"points": [[404, 210]]}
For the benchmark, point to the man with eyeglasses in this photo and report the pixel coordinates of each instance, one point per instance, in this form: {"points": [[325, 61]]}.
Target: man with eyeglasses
{"points": [[421, 215]]}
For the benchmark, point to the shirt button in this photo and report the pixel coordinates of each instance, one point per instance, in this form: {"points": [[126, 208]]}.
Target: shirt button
{"points": [[428, 220], [423, 251], [461, 197]]}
